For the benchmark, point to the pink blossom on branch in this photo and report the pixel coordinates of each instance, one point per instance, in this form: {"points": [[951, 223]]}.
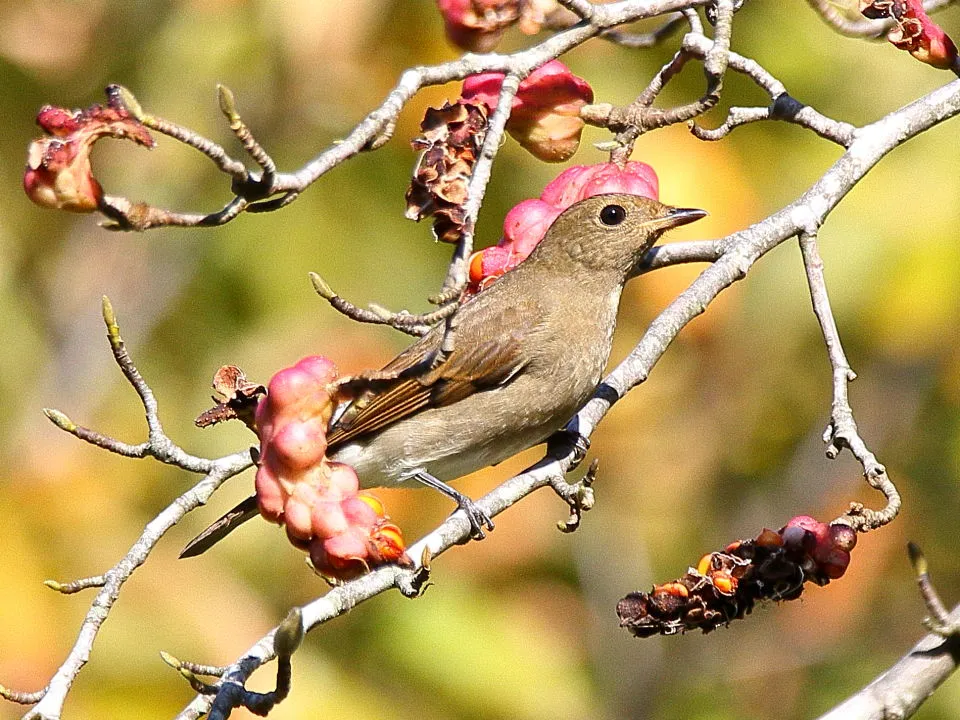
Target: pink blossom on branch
{"points": [[828, 545], [914, 31], [58, 173], [317, 500], [545, 117], [477, 25], [528, 221]]}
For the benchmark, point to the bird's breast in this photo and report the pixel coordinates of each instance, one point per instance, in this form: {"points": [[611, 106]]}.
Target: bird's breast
{"points": [[565, 360]]}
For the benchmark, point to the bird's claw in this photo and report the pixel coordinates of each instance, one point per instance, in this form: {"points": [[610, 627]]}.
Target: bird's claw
{"points": [[476, 516], [580, 444]]}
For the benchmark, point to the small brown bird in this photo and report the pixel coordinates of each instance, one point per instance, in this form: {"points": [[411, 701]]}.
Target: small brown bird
{"points": [[528, 353]]}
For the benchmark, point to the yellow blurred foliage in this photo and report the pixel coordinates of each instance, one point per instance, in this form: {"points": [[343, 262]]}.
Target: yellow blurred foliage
{"points": [[722, 440]]}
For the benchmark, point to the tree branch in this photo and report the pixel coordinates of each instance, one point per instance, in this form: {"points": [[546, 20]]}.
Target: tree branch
{"points": [[633, 120], [899, 692], [740, 251], [861, 26], [782, 106], [266, 189], [842, 431], [254, 189], [49, 701]]}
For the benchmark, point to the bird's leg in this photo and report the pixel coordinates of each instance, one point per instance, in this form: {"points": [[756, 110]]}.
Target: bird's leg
{"points": [[580, 443], [477, 517]]}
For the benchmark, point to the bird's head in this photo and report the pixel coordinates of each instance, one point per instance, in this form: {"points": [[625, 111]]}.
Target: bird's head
{"points": [[611, 232]]}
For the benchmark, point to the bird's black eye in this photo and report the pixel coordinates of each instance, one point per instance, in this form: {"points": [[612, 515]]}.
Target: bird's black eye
{"points": [[613, 215]]}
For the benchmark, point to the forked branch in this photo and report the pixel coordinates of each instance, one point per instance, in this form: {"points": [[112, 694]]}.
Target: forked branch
{"points": [[49, 701]]}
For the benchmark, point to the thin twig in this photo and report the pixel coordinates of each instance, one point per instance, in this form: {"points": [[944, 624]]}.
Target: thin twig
{"points": [[782, 105], [49, 702], [195, 668], [842, 431], [76, 586], [939, 620], [639, 117], [679, 253], [217, 154], [861, 26], [23, 698], [736, 117], [406, 321], [375, 317], [95, 438], [643, 41], [260, 156]]}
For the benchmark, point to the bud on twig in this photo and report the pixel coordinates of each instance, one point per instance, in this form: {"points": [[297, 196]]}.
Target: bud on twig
{"points": [[914, 31], [545, 116], [59, 173]]}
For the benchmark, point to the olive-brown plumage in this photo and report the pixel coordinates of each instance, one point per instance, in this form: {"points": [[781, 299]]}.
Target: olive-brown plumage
{"points": [[527, 354]]}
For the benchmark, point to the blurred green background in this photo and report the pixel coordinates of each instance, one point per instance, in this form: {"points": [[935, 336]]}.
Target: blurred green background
{"points": [[723, 439]]}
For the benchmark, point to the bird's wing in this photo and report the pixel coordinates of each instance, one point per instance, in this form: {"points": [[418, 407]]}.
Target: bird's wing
{"points": [[473, 366], [408, 383]]}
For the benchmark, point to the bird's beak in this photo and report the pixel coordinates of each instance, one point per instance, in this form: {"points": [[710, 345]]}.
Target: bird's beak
{"points": [[676, 217]]}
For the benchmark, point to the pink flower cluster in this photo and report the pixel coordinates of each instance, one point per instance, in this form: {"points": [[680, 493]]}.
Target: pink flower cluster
{"points": [[58, 173], [527, 223], [545, 116], [914, 31], [317, 500], [828, 546], [478, 25]]}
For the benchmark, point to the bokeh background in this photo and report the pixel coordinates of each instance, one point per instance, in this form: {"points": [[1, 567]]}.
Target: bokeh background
{"points": [[723, 439]]}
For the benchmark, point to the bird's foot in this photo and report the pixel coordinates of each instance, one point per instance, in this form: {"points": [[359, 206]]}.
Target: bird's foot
{"points": [[476, 516], [578, 495], [567, 437]]}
